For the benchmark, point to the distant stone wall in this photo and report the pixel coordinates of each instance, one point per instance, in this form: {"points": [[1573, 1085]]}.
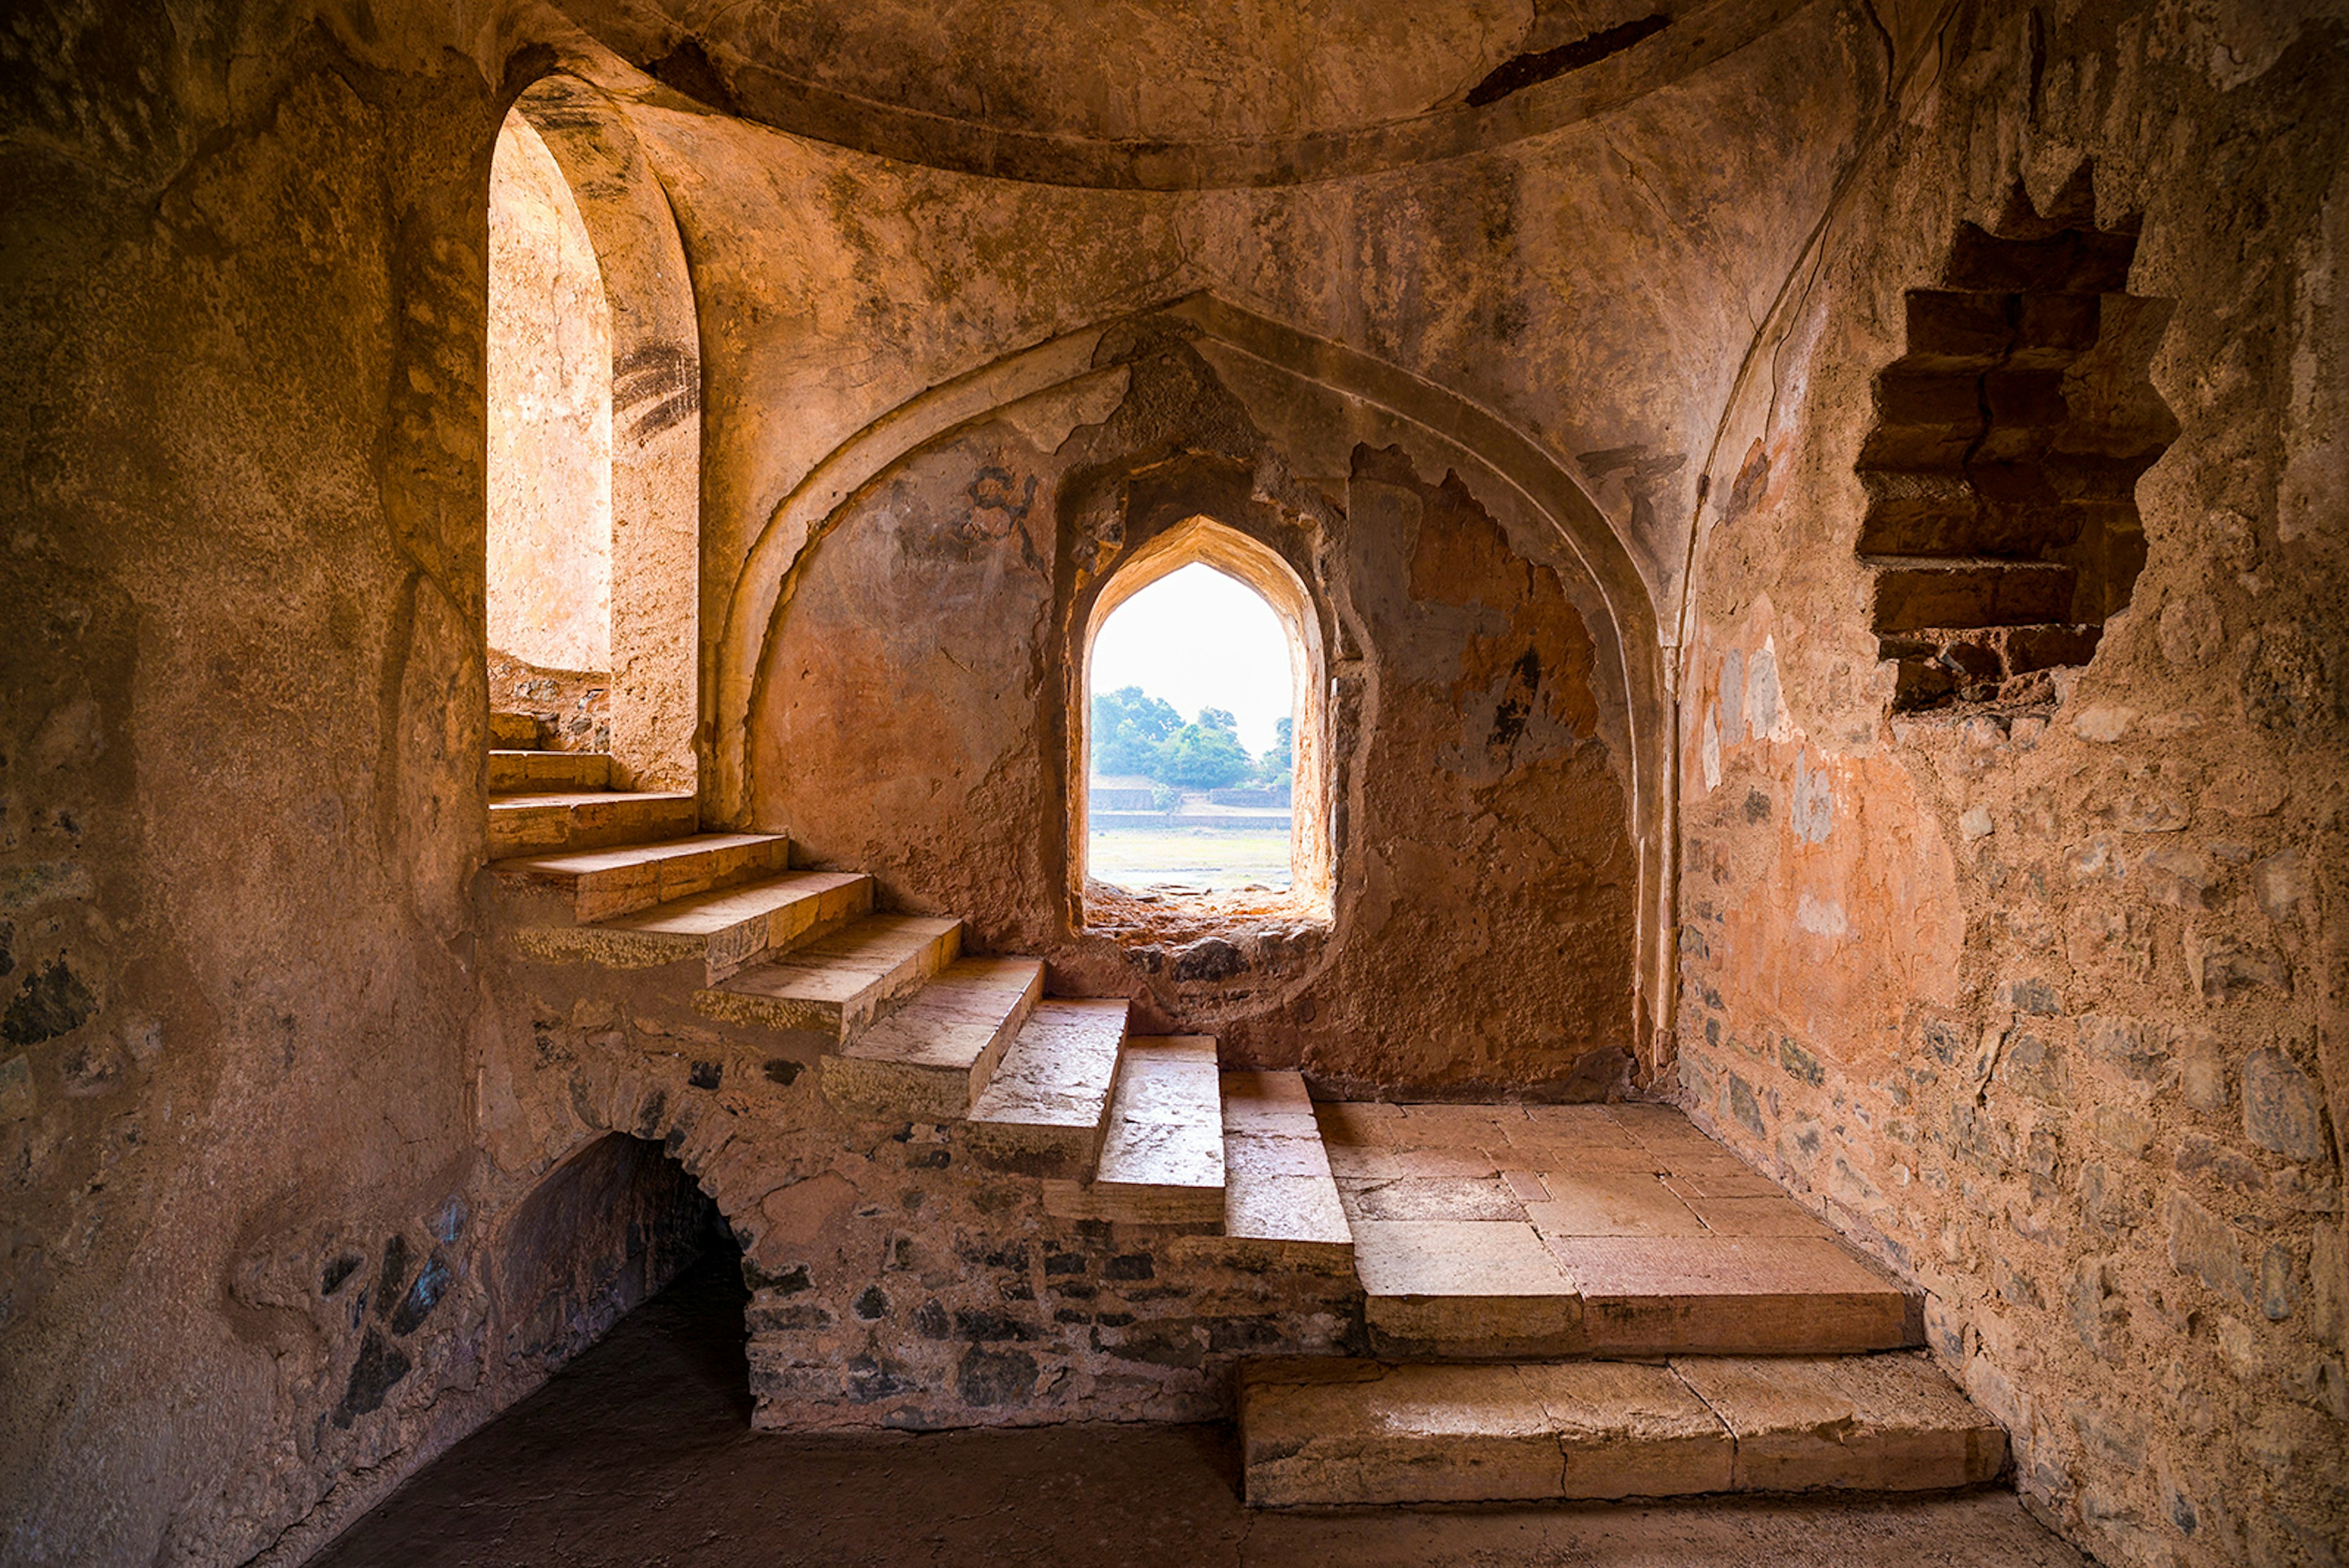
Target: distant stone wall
{"points": [[572, 707], [1267, 798]]}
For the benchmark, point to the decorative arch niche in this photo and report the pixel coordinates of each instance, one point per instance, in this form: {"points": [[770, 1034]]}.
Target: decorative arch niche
{"points": [[1202, 541], [1090, 368]]}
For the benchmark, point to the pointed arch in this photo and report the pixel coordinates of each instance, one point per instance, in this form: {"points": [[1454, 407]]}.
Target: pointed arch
{"points": [[1202, 541], [1484, 447]]}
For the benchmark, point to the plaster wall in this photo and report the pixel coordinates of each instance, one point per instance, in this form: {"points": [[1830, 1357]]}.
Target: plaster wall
{"points": [[1592, 286], [242, 775], [2042, 1002], [251, 1011], [1588, 288], [550, 416]]}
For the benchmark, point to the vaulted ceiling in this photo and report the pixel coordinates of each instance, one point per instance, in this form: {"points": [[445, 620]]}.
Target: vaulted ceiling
{"points": [[1176, 94]]}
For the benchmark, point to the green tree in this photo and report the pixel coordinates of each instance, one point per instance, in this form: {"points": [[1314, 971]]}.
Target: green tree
{"points": [[1129, 727], [1280, 759], [1204, 755]]}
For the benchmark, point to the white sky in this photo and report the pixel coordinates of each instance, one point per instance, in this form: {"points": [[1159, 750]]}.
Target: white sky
{"points": [[1200, 639]]}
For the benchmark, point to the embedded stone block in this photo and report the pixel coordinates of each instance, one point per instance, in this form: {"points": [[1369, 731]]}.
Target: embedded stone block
{"points": [[1914, 593], [1866, 1423]]}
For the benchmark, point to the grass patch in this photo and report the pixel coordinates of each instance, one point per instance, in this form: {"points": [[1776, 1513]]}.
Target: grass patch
{"points": [[1220, 859]]}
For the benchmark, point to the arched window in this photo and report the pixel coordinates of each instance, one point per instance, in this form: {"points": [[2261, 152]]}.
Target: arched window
{"points": [[1156, 776]]}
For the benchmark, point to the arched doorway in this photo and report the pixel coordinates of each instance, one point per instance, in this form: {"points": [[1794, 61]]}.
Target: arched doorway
{"points": [[593, 419], [602, 1233]]}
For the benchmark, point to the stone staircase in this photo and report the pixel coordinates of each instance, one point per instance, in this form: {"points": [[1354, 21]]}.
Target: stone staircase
{"points": [[542, 801], [1121, 1130], [1582, 1302], [1557, 1302]]}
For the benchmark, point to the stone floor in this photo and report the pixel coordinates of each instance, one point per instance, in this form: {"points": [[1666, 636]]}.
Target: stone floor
{"points": [[641, 1453]]}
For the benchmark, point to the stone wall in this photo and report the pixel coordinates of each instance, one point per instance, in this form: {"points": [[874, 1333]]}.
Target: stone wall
{"points": [[896, 1280], [573, 708], [253, 1027], [2037, 991], [241, 777]]}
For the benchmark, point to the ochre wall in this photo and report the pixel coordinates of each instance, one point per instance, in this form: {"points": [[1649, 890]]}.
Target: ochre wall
{"points": [[243, 773], [255, 1025], [2044, 1004]]}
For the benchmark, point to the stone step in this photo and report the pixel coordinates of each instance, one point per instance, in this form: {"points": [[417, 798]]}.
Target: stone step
{"points": [[1465, 1288], [929, 1059], [523, 825], [514, 729], [1335, 1433], [522, 772], [1044, 1110], [1162, 1156], [1280, 1201], [723, 930], [839, 984], [601, 883], [1734, 1295], [1515, 1233], [1918, 591]]}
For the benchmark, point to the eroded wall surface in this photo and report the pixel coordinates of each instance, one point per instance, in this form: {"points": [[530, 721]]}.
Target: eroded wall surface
{"points": [[1595, 287], [244, 710], [2041, 999], [271, 1098]]}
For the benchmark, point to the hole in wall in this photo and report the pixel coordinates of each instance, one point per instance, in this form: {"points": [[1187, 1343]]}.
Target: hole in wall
{"points": [[2001, 527]]}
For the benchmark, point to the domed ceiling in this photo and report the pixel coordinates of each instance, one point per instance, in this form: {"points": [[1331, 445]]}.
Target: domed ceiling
{"points": [[1171, 94]]}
